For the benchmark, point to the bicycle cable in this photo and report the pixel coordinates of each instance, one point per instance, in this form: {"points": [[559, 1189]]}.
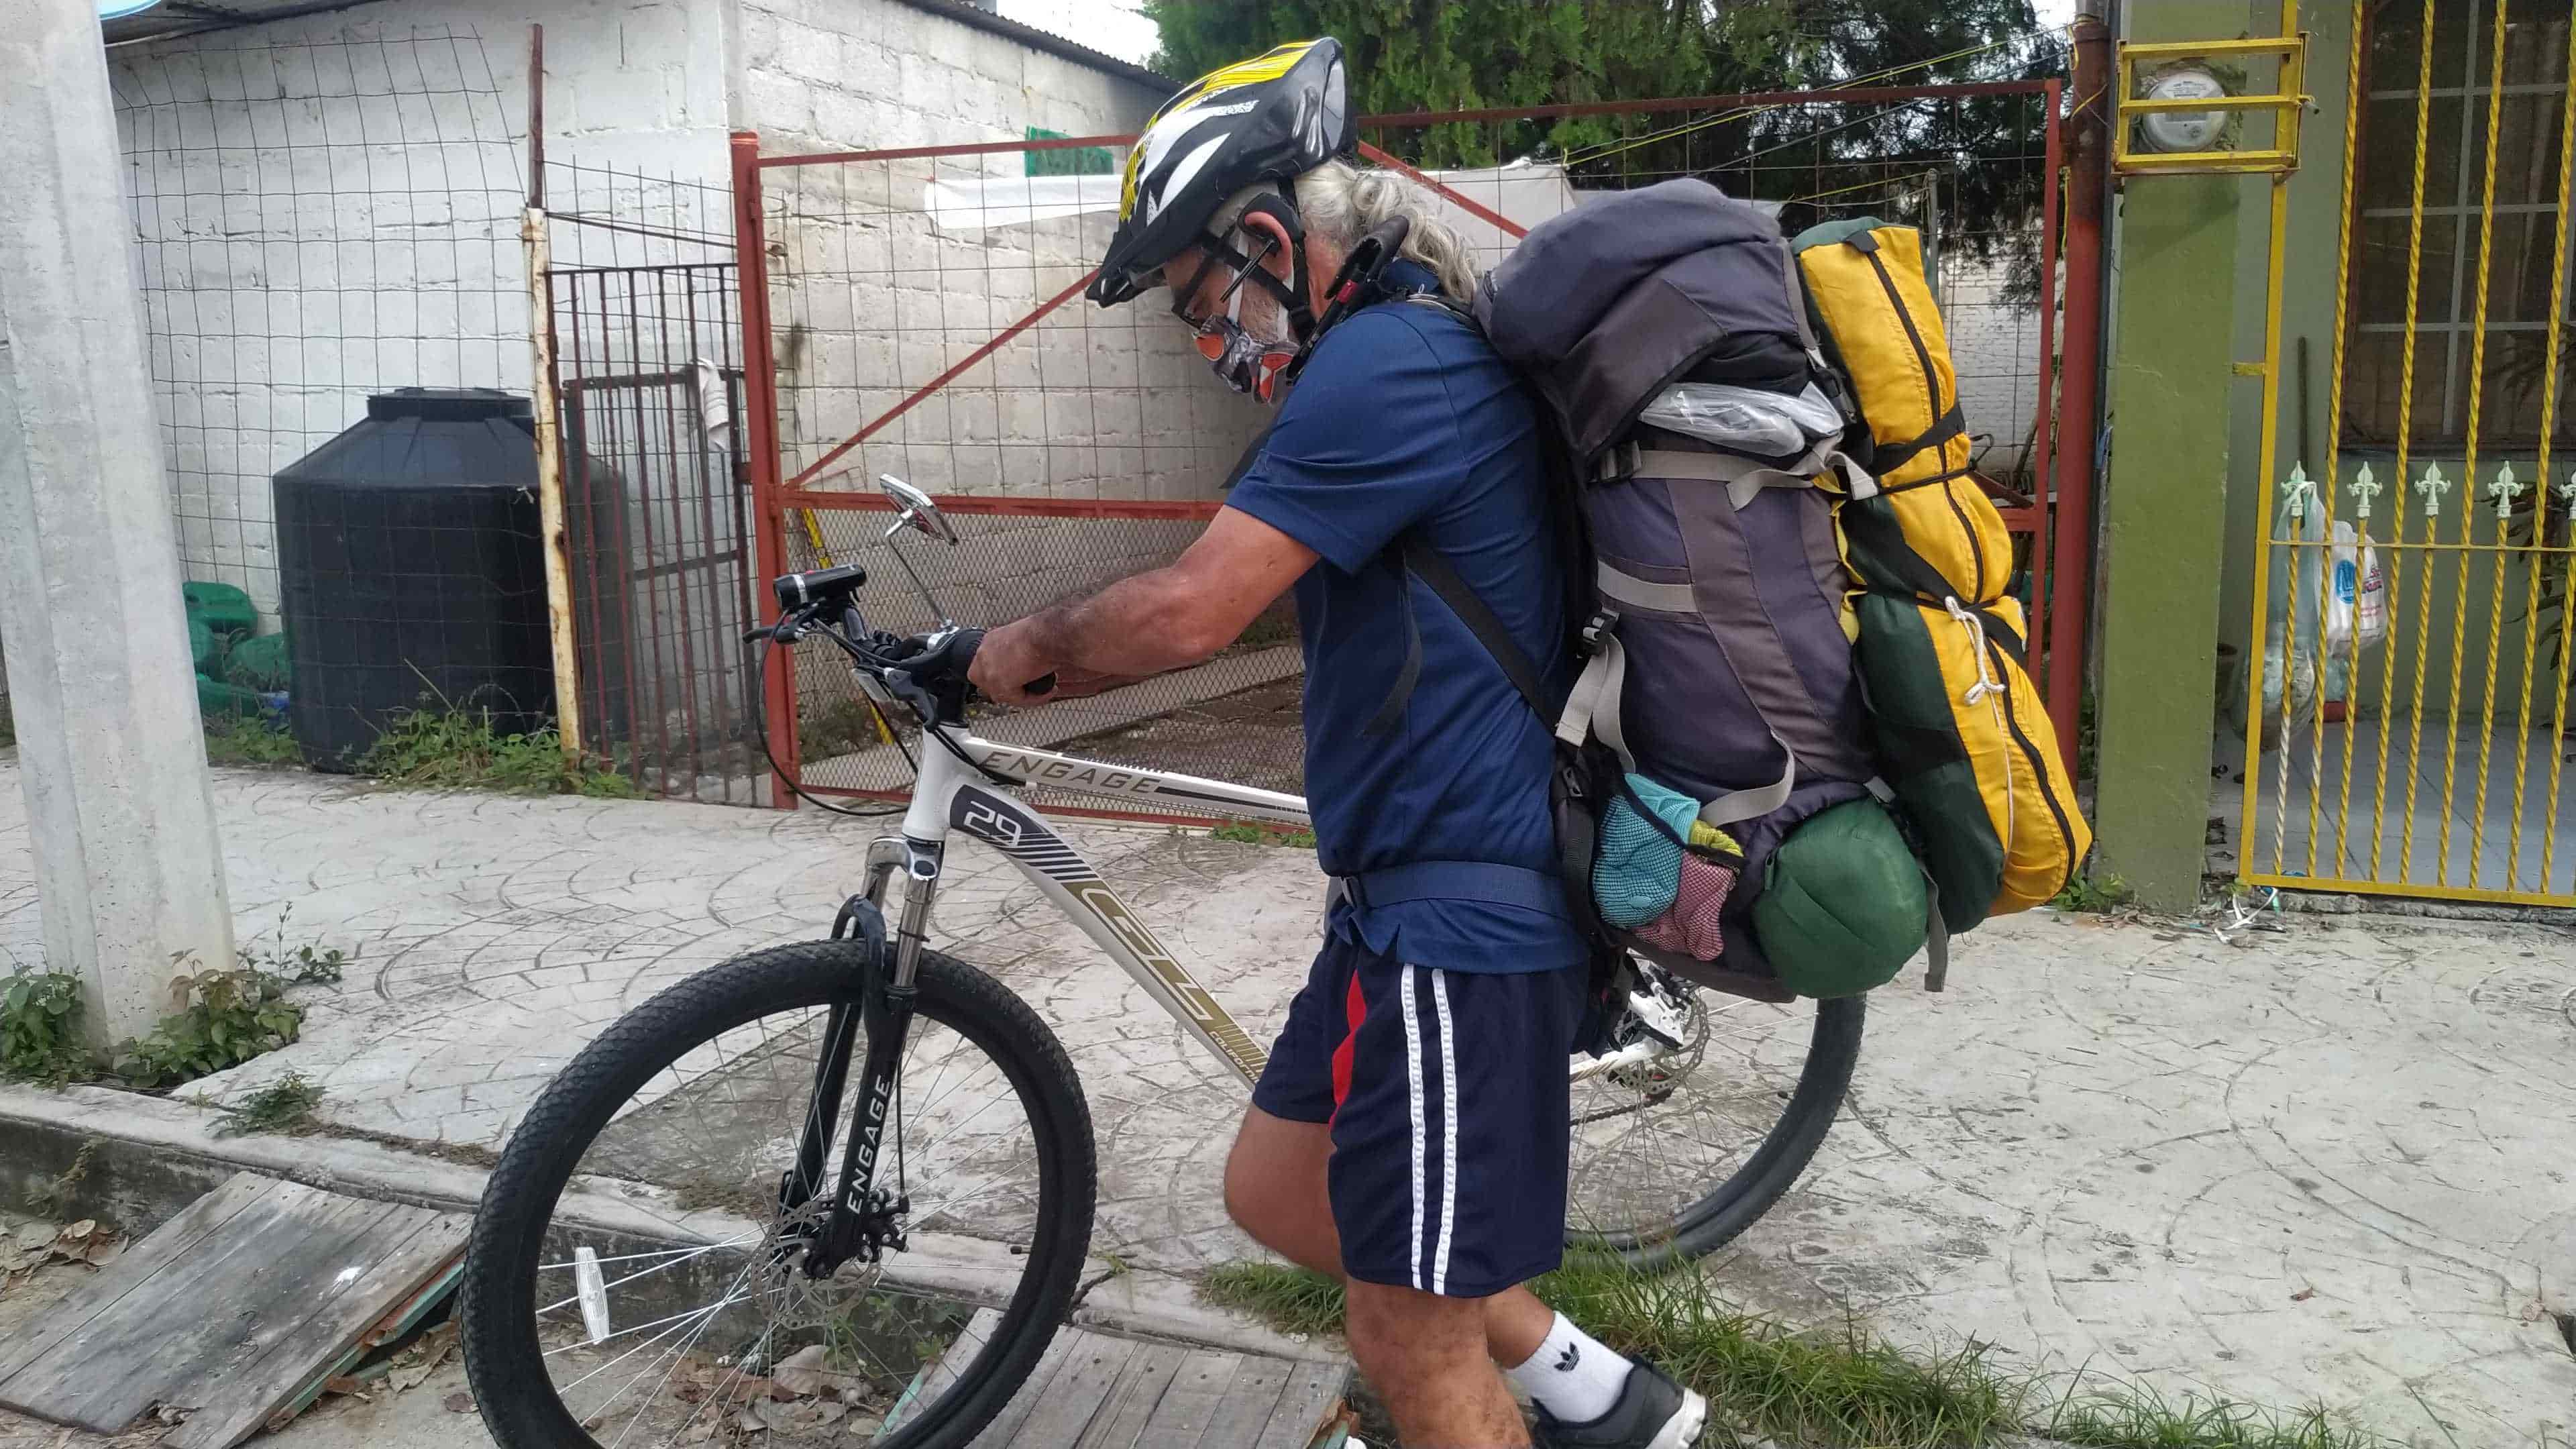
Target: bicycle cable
{"points": [[780, 773]]}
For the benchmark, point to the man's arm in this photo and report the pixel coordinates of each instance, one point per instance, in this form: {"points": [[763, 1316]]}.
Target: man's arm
{"points": [[1158, 620]]}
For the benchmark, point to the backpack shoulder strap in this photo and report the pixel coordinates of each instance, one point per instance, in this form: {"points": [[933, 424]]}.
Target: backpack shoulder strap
{"points": [[1415, 555]]}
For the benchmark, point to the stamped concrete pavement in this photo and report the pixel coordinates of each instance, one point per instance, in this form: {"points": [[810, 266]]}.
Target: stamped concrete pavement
{"points": [[2331, 1164]]}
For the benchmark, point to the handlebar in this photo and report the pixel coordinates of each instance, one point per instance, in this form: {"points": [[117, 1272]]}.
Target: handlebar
{"points": [[928, 670]]}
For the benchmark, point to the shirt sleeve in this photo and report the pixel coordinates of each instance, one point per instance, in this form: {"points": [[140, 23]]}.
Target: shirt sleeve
{"points": [[1365, 446]]}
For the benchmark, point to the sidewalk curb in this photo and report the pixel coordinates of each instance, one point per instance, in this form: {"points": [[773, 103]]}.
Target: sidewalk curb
{"points": [[151, 1156]]}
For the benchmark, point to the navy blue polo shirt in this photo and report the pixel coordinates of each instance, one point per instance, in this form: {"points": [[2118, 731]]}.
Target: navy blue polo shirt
{"points": [[1406, 419]]}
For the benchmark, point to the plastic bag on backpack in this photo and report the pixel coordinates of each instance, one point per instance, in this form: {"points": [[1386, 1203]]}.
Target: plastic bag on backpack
{"points": [[1746, 420]]}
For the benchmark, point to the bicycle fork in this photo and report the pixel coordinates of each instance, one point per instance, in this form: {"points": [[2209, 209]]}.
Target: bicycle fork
{"points": [[865, 1219]]}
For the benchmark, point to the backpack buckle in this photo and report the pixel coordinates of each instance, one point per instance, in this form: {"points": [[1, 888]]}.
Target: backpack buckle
{"points": [[1597, 628], [1620, 463]]}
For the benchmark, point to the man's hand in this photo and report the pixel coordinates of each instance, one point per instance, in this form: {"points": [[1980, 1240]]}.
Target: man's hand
{"points": [[1008, 661], [1159, 620]]}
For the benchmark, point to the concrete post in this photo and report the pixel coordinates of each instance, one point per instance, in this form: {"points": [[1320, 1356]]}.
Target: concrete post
{"points": [[129, 872], [2164, 531]]}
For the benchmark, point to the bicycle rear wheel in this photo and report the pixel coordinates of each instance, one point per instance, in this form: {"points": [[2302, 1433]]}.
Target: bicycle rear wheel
{"points": [[1675, 1155], [632, 1280]]}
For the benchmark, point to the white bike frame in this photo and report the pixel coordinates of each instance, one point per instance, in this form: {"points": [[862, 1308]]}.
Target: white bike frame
{"points": [[952, 795]]}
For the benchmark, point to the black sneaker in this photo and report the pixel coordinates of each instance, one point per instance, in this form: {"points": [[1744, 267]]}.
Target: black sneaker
{"points": [[1653, 1412]]}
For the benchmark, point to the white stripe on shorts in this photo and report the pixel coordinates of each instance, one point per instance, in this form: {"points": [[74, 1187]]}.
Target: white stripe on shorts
{"points": [[1448, 1133], [1413, 1085]]}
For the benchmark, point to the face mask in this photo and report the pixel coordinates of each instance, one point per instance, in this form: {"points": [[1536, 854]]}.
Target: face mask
{"points": [[1250, 365]]}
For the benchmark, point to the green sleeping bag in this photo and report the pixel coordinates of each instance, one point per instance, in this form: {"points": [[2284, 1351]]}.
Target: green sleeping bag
{"points": [[1843, 904]]}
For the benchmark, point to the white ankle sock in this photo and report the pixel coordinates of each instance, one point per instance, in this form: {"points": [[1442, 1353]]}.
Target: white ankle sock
{"points": [[1573, 1376]]}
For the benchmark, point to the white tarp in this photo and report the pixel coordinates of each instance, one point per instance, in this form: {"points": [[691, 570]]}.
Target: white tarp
{"points": [[1525, 193]]}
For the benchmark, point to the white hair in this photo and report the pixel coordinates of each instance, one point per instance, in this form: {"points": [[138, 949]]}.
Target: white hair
{"points": [[1343, 203]]}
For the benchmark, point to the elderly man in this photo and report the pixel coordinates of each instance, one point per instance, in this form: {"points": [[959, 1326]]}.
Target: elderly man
{"points": [[1409, 1135]]}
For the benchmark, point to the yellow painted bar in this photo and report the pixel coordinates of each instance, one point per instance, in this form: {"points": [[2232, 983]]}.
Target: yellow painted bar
{"points": [[2540, 521], [2142, 106], [2469, 496], [2257, 45], [2333, 483], [2402, 484], [2247, 815], [2208, 161], [2487, 895]]}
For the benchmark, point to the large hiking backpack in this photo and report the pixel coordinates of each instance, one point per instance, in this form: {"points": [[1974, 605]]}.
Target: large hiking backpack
{"points": [[1720, 661], [1706, 436]]}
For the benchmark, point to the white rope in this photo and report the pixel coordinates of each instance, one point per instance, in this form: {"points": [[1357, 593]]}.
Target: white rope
{"points": [[1986, 682]]}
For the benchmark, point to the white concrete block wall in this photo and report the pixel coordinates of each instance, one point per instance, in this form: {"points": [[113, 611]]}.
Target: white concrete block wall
{"points": [[873, 303], [328, 207], [1994, 341]]}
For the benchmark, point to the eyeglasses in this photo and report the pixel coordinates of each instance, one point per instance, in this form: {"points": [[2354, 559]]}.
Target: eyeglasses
{"points": [[1204, 332]]}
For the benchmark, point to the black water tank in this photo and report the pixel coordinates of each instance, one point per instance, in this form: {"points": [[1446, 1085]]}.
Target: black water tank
{"points": [[412, 564]]}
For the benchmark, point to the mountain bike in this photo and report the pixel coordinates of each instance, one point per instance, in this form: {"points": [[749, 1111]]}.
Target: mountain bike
{"points": [[843, 1190]]}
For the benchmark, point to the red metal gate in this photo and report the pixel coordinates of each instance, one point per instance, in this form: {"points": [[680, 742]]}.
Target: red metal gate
{"points": [[915, 311]]}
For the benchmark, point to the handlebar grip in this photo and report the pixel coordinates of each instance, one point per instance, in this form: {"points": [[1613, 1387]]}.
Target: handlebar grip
{"points": [[970, 640]]}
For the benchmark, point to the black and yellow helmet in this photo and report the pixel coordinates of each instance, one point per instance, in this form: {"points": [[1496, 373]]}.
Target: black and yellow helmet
{"points": [[1269, 118]]}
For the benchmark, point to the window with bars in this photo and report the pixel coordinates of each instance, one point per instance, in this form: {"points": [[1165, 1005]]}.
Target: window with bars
{"points": [[2452, 116]]}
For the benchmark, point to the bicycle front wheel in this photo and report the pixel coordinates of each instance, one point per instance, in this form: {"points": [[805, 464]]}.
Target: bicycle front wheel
{"points": [[633, 1281], [1684, 1147]]}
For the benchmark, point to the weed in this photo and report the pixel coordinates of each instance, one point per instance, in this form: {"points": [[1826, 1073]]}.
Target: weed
{"points": [[1251, 834], [223, 1018], [2099, 895], [40, 1018], [1833, 1387], [8, 725], [304, 966], [258, 743], [446, 748], [842, 727], [54, 1199], [284, 1106]]}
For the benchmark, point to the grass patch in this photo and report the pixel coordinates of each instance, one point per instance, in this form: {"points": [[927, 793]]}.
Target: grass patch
{"points": [[462, 749], [40, 1017], [8, 723], [1251, 834], [260, 743], [220, 1018], [223, 1019], [1839, 1387], [2098, 895], [284, 1106], [1292, 1300]]}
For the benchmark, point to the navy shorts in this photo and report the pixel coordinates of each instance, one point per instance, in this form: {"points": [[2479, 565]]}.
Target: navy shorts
{"points": [[1447, 1096]]}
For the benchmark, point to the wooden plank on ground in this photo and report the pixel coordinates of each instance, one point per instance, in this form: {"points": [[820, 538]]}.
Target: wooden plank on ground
{"points": [[408, 1248], [1131, 1401], [936, 1379], [233, 1308], [1092, 1365], [1190, 1404], [1245, 1410], [1096, 1390], [138, 1265], [1310, 1398], [1005, 1428]]}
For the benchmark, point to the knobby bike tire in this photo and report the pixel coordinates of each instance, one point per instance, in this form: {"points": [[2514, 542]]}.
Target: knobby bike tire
{"points": [[504, 1358]]}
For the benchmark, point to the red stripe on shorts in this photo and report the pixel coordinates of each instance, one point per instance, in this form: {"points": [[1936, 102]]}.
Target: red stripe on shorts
{"points": [[1354, 1011]]}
